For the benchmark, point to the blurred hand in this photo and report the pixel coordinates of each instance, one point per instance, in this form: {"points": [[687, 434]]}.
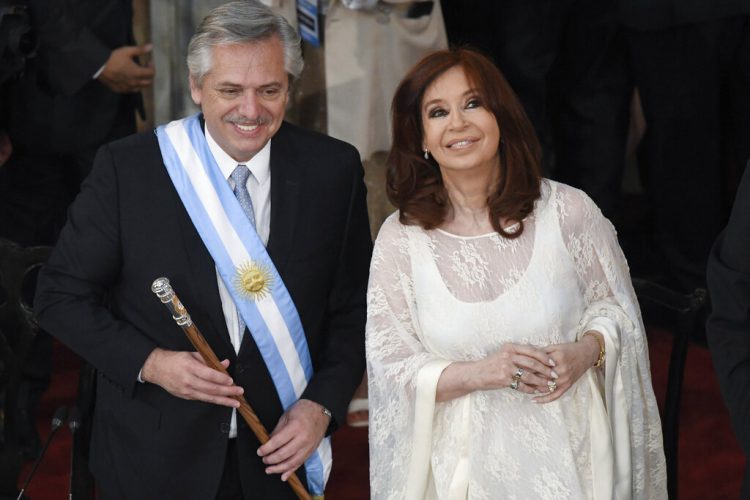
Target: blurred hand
{"points": [[572, 359], [185, 375], [295, 437], [122, 74], [6, 147]]}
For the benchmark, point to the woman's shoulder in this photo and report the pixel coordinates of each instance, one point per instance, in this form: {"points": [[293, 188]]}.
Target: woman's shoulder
{"points": [[570, 202], [393, 231]]}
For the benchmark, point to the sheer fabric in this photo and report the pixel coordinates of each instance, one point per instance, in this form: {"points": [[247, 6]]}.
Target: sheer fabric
{"points": [[435, 298]]}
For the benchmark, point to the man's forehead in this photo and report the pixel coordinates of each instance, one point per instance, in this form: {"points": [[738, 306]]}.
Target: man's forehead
{"points": [[260, 63]]}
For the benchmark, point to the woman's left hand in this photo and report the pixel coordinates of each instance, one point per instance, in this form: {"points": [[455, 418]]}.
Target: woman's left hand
{"points": [[572, 359]]}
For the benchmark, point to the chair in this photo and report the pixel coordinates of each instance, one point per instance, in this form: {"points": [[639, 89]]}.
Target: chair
{"points": [[681, 314]]}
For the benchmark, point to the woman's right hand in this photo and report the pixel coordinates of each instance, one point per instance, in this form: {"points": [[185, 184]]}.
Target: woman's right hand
{"points": [[497, 371], [536, 369]]}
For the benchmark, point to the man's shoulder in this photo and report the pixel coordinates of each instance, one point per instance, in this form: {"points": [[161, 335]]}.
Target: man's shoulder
{"points": [[139, 141], [131, 156]]}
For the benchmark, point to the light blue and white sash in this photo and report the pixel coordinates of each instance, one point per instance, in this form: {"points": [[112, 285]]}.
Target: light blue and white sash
{"points": [[236, 248]]}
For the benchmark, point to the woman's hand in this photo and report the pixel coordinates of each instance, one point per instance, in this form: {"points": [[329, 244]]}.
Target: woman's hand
{"points": [[571, 360], [498, 371], [533, 364]]}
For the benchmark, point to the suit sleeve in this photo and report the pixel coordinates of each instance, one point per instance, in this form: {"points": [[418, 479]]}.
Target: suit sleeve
{"points": [[339, 369], [72, 290], [728, 326], [69, 52]]}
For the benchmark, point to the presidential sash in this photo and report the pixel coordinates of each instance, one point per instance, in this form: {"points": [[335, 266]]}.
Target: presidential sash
{"points": [[246, 269]]}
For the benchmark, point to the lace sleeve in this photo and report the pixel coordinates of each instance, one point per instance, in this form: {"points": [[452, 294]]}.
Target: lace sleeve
{"points": [[396, 363], [612, 309]]}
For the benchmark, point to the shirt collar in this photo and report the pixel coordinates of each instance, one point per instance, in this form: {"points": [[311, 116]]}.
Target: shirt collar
{"points": [[259, 165]]}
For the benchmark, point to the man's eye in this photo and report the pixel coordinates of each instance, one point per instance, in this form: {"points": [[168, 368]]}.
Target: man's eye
{"points": [[437, 113], [229, 92], [270, 93]]}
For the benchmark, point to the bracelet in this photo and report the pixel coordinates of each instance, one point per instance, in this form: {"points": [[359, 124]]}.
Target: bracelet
{"points": [[602, 350]]}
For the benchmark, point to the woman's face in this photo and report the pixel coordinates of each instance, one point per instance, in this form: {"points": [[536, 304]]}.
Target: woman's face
{"points": [[459, 131]]}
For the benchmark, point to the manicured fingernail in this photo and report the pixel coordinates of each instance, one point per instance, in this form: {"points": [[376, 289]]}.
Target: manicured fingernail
{"points": [[553, 374], [551, 362], [258, 452]]}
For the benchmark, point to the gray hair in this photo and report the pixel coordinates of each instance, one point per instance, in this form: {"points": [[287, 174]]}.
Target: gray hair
{"points": [[244, 21]]}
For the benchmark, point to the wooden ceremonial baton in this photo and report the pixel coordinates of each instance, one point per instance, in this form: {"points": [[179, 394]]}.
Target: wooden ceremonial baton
{"points": [[163, 290]]}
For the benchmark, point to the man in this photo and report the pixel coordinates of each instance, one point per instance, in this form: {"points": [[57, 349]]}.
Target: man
{"points": [[164, 205], [566, 60], [728, 327], [78, 91], [691, 64]]}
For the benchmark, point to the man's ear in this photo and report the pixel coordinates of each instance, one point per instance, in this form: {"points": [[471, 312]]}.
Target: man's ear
{"points": [[195, 90]]}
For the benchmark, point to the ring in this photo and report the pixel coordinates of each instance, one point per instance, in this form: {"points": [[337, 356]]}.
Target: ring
{"points": [[518, 374], [514, 384], [552, 385]]}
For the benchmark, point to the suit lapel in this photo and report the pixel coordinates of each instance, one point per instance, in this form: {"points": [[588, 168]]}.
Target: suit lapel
{"points": [[286, 183], [203, 278]]}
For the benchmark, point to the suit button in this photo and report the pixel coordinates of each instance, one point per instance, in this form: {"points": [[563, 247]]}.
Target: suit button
{"points": [[224, 427]]}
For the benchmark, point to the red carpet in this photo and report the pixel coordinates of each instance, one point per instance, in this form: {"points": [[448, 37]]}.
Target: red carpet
{"points": [[710, 460]]}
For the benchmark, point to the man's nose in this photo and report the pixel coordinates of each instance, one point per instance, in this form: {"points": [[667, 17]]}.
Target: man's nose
{"points": [[250, 105]]}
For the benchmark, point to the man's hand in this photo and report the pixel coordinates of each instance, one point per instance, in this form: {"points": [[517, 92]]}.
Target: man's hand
{"points": [[185, 375], [295, 437], [6, 147], [122, 74]]}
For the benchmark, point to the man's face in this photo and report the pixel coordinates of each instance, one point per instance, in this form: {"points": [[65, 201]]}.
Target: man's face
{"points": [[244, 96]]}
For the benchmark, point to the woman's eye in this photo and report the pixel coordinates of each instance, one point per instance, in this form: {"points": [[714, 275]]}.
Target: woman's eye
{"points": [[436, 113], [473, 103]]}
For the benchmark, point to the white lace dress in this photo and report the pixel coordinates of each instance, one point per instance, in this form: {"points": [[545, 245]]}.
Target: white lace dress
{"points": [[435, 298]]}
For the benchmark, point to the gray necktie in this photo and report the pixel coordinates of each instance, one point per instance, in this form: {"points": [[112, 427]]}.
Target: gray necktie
{"points": [[240, 176]]}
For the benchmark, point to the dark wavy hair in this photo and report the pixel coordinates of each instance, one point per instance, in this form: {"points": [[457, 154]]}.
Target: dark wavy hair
{"points": [[414, 184]]}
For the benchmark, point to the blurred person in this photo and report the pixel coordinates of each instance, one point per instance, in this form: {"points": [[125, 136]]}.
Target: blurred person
{"points": [[506, 353], [567, 62], [728, 326], [691, 64], [79, 89], [262, 229]]}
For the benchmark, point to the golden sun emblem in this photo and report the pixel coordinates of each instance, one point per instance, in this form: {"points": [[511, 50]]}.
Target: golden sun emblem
{"points": [[253, 280]]}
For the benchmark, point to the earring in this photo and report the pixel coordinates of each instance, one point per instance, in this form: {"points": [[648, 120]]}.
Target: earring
{"points": [[426, 155]]}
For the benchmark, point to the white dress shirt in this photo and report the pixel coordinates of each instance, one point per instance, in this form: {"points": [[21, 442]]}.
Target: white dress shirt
{"points": [[259, 187]]}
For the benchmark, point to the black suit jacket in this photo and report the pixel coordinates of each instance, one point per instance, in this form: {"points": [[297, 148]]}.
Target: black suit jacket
{"points": [[127, 228], [57, 107], [728, 326]]}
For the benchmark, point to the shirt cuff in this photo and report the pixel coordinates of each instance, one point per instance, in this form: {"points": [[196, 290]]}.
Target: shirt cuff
{"points": [[96, 75]]}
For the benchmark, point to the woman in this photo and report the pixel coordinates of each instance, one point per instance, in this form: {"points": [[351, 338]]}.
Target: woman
{"points": [[506, 353]]}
